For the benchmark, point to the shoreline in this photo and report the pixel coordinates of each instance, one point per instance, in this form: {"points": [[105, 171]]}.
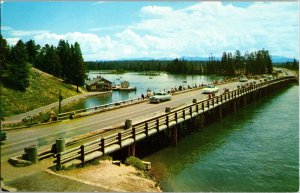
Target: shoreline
{"points": [[17, 119], [119, 178]]}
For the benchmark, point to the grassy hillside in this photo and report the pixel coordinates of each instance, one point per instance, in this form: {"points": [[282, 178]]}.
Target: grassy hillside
{"points": [[43, 90]]}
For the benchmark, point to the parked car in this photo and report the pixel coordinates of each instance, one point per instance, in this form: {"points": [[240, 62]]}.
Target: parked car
{"points": [[160, 97], [209, 89], [268, 77], [243, 79]]}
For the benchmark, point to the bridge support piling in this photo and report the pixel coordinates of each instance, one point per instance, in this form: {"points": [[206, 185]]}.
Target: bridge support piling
{"points": [[220, 112], [174, 135], [131, 149], [234, 105], [202, 121], [245, 99]]}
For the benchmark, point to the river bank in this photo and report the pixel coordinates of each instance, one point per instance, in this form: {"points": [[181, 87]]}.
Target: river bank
{"points": [[113, 177], [100, 177], [41, 114]]}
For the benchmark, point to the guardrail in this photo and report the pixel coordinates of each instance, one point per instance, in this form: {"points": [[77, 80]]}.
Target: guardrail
{"points": [[148, 127], [71, 114], [94, 108]]}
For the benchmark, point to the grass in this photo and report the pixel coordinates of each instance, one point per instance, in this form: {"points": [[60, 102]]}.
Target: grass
{"points": [[43, 90], [135, 162]]}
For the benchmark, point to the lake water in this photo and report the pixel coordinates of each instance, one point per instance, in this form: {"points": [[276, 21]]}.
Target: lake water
{"points": [[256, 149], [142, 83]]}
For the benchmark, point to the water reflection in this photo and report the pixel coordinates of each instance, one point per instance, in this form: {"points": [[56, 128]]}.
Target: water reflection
{"points": [[142, 82]]}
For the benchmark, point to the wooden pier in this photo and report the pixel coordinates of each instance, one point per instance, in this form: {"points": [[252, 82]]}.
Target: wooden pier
{"points": [[196, 114]]}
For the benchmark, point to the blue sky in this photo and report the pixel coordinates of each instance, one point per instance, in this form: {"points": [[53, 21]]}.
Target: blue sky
{"points": [[118, 30]]}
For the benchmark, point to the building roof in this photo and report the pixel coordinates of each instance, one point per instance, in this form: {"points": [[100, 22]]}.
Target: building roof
{"points": [[93, 81]]}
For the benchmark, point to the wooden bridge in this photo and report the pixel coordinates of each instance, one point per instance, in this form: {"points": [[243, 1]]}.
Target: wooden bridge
{"points": [[195, 114]]}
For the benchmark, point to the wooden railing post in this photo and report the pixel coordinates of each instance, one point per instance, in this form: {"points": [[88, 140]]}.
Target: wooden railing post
{"points": [[197, 108], [157, 125], [58, 161], [191, 111], [176, 117], [221, 98], [202, 104], [82, 155], [183, 114], [208, 104], [213, 101], [167, 121], [133, 133]]}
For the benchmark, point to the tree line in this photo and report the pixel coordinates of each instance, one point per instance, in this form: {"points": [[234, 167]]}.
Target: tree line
{"points": [[64, 61], [289, 65], [175, 66], [258, 62]]}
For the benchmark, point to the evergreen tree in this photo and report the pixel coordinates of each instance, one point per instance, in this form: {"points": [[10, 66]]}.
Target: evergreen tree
{"points": [[224, 62], [78, 68], [295, 65], [16, 74], [64, 52], [4, 52], [32, 51], [268, 61], [52, 60]]}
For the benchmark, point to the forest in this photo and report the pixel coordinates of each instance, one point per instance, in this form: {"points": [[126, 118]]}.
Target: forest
{"points": [[257, 62], [64, 61]]}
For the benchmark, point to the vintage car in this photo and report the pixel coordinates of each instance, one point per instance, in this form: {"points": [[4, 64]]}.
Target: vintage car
{"points": [[209, 89], [160, 97], [243, 79]]}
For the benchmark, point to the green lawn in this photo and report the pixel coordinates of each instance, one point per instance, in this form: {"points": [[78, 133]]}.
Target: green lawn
{"points": [[43, 90]]}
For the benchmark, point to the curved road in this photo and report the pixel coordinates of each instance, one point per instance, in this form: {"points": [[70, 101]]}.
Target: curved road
{"points": [[44, 135]]}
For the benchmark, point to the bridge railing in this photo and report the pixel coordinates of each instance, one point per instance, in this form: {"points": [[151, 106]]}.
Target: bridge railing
{"points": [[153, 125]]}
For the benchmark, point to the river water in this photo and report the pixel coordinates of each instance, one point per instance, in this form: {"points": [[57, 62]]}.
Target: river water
{"points": [[142, 82], [256, 149]]}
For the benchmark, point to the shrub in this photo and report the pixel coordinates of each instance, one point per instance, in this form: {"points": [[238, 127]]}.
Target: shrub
{"points": [[135, 162]]}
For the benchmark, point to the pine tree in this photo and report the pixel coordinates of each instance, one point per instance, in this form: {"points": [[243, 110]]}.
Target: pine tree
{"points": [[64, 52], [17, 71], [4, 52], [268, 62], [78, 68], [32, 51]]}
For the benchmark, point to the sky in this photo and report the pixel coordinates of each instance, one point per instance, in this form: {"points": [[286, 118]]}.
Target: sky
{"points": [[112, 30]]}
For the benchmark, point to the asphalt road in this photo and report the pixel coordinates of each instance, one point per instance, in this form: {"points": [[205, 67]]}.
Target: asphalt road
{"points": [[44, 135]]}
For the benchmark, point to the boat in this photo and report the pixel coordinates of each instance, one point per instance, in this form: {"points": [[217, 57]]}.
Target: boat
{"points": [[119, 88], [124, 86]]}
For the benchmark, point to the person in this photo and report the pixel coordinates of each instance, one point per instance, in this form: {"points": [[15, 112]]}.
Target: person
{"points": [[143, 97], [51, 115], [209, 96]]}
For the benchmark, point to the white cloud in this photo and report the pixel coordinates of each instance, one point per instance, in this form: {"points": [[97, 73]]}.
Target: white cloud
{"points": [[198, 30], [21, 33], [12, 41], [5, 28]]}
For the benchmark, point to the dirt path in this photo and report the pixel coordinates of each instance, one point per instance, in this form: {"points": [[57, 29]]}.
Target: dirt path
{"points": [[19, 117], [116, 178]]}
